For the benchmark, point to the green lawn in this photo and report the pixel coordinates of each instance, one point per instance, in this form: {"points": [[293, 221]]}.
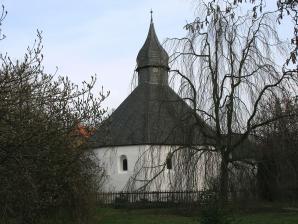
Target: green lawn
{"points": [[164, 216], [142, 216], [270, 218]]}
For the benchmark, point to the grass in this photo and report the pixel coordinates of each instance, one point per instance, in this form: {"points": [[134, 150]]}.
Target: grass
{"points": [[142, 216], [252, 214], [270, 218], [164, 216]]}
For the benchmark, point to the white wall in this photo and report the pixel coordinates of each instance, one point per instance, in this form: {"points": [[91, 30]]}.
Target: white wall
{"points": [[146, 162], [137, 157]]}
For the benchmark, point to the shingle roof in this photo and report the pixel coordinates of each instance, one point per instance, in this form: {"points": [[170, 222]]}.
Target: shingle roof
{"points": [[153, 115], [152, 53]]}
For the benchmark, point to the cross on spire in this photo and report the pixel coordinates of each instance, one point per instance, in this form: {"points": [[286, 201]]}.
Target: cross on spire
{"points": [[150, 56], [151, 12]]}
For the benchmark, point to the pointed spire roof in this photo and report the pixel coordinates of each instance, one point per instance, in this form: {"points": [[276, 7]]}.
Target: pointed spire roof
{"points": [[153, 114], [152, 54]]}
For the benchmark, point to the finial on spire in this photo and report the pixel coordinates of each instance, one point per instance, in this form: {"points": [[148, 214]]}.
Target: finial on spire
{"points": [[152, 55]]}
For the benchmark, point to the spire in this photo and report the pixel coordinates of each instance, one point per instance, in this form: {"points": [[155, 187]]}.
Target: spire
{"points": [[153, 55]]}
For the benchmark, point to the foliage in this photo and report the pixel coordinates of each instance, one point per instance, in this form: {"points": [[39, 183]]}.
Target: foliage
{"points": [[44, 162], [214, 215], [212, 212], [278, 168]]}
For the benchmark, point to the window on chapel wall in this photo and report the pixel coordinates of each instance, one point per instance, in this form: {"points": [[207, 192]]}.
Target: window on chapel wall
{"points": [[169, 162], [123, 163]]}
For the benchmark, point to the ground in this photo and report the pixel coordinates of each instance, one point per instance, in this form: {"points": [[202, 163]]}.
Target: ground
{"points": [[250, 214], [163, 216]]}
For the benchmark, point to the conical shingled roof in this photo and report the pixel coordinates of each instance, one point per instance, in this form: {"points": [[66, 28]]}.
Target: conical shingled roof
{"points": [[152, 53], [153, 114]]}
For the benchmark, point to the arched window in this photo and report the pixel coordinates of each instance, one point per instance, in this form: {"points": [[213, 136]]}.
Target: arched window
{"points": [[123, 163]]}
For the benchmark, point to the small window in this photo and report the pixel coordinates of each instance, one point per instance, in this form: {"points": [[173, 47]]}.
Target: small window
{"points": [[123, 163], [169, 162]]}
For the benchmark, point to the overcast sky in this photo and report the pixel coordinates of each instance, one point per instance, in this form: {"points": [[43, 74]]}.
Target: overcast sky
{"points": [[89, 37]]}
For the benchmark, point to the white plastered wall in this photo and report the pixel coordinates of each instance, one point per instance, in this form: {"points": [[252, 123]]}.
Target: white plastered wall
{"points": [[137, 158], [144, 163]]}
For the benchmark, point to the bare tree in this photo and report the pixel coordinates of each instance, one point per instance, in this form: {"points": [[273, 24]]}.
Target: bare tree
{"points": [[226, 68], [284, 9]]}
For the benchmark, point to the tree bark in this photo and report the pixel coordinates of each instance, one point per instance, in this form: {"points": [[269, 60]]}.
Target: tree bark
{"points": [[224, 176]]}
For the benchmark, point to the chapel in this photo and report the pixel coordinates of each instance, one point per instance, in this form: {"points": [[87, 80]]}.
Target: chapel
{"points": [[149, 124]]}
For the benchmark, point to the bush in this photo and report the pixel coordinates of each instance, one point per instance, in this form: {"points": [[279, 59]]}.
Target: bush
{"points": [[45, 165]]}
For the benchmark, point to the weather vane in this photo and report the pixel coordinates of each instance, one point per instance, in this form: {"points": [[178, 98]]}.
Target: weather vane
{"points": [[151, 12]]}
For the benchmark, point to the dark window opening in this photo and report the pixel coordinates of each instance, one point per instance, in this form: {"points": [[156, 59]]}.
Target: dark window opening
{"points": [[169, 163], [124, 164]]}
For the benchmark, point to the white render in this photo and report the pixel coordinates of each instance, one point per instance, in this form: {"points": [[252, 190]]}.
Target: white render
{"points": [[111, 158], [144, 162]]}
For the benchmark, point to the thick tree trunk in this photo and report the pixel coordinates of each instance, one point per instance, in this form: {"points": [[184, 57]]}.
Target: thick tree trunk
{"points": [[224, 178]]}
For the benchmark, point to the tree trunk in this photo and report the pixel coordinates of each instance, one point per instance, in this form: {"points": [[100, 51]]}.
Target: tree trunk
{"points": [[224, 177]]}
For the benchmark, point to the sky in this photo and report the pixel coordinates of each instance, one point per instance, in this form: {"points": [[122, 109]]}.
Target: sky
{"points": [[83, 38]]}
